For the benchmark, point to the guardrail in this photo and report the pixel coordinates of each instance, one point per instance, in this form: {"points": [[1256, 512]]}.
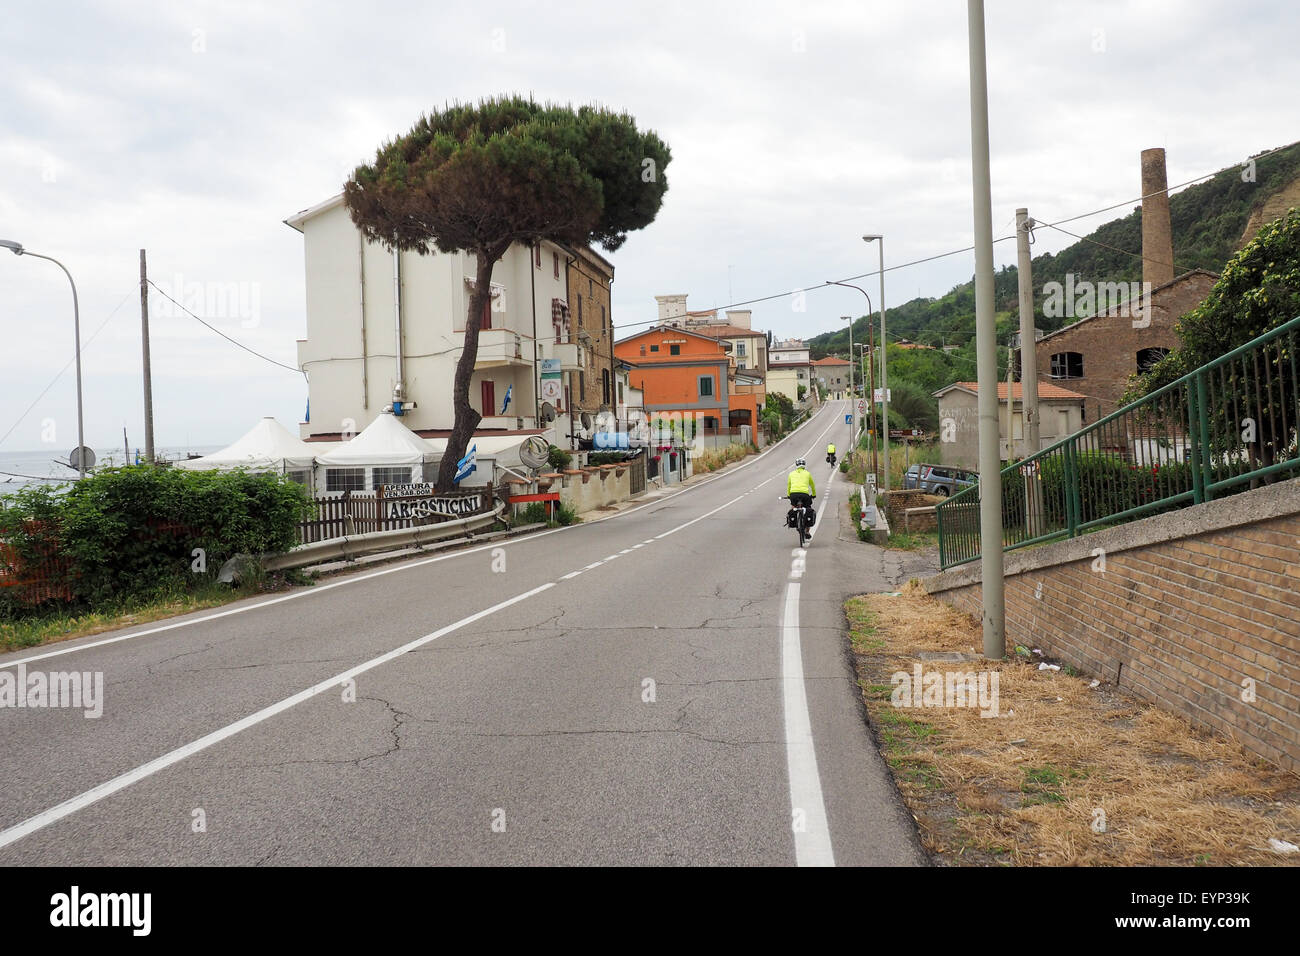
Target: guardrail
{"points": [[1228, 424], [354, 546]]}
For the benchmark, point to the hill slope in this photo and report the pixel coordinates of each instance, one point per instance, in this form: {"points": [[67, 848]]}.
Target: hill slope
{"points": [[1210, 221]]}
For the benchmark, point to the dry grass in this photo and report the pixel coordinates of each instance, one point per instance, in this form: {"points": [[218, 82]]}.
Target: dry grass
{"points": [[1025, 787]]}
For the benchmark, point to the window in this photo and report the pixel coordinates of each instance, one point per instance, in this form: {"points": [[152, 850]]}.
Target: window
{"points": [[579, 310], [1149, 357], [643, 348], [299, 477], [1067, 365], [706, 386], [654, 348], [556, 260], [345, 479], [602, 317], [674, 350], [591, 288], [389, 476], [582, 384], [486, 319], [604, 385], [740, 348]]}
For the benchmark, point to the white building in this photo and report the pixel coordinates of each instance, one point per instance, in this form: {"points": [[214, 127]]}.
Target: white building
{"points": [[385, 331]]}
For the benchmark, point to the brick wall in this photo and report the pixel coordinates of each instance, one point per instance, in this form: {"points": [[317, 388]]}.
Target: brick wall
{"points": [[1109, 344], [589, 306], [1190, 605]]}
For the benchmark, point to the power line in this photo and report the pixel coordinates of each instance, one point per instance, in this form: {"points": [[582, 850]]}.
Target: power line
{"points": [[943, 255], [85, 345], [1095, 242], [220, 333]]}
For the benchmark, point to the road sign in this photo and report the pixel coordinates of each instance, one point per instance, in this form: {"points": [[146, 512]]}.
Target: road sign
{"points": [[905, 433], [848, 419], [81, 458], [880, 392], [862, 407]]}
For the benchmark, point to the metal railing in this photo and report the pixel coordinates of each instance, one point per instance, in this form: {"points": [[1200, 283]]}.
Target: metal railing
{"points": [[1228, 425]]}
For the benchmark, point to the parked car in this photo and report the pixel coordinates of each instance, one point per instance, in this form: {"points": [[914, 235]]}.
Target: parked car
{"points": [[941, 480]]}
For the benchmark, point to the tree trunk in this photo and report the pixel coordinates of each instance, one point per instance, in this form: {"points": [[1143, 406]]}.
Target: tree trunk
{"points": [[467, 419]]}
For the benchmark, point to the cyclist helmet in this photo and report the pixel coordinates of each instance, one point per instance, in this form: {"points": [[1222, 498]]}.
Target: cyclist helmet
{"points": [[799, 463]]}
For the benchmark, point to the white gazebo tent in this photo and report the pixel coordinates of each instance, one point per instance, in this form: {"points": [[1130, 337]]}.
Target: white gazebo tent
{"points": [[386, 452], [268, 447]]}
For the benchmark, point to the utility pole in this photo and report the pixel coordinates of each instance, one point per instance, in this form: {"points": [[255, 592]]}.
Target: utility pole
{"points": [[871, 367], [853, 409], [1028, 370], [148, 371], [986, 346]]}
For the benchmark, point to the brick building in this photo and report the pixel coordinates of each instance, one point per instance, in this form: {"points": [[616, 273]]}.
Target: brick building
{"points": [[589, 279], [1096, 355]]}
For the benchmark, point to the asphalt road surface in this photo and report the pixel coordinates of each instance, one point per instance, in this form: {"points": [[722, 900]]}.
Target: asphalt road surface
{"points": [[669, 685]]}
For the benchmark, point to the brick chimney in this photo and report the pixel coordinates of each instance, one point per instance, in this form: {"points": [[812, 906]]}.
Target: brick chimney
{"points": [[1157, 235]]}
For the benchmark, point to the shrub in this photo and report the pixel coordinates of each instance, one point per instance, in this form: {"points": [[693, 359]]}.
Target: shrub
{"points": [[565, 515], [559, 458], [535, 513], [139, 531]]}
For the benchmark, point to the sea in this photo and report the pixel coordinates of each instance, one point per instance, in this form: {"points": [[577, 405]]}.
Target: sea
{"points": [[47, 466]]}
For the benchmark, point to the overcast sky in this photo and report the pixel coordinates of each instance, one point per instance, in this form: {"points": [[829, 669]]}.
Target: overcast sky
{"points": [[194, 129]]}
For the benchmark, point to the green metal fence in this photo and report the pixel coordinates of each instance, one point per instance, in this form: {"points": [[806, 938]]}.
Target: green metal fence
{"points": [[1223, 428]]}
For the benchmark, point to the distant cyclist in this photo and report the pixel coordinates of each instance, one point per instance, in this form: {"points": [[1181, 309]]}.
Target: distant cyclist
{"points": [[799, 486], [830, 454]]}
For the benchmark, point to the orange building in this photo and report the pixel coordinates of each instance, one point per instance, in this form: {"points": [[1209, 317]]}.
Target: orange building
{"points": [[679, 371]]}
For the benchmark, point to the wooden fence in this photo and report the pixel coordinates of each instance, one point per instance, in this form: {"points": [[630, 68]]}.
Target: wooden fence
{"points": [[353, 513]]}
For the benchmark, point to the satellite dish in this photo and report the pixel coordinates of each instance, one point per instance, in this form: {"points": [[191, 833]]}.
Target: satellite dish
{"points": [[535, 452], [586, 420], [548, 412], [82, 458]]}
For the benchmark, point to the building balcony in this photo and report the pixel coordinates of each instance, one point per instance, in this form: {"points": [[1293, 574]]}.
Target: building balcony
{"points": [[499, 348], [572, 356]]}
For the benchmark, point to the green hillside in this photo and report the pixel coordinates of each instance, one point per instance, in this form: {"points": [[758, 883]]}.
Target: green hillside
{"points": [[1208, 220]]}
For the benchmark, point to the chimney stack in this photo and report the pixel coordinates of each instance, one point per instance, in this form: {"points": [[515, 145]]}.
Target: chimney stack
{"points": [[1157, 234], [739, 318]]}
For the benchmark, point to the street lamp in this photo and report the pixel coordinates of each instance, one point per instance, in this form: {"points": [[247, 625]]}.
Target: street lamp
{"points": [[17, 249], [884, 378], [870, 388], [853, 408]]}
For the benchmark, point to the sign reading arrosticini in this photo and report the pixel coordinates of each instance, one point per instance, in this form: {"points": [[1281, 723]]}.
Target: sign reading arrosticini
{"points": [[421, 500]]}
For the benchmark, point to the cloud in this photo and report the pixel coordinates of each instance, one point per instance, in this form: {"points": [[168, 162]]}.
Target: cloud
{"points": [[193, 130]]}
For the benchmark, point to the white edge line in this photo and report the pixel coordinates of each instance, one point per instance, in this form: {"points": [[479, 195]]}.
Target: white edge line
{"points": [[812, 842], [109, 787]]}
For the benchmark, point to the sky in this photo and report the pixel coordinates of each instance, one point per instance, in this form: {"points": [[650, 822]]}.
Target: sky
{"points": [[193, 130]]}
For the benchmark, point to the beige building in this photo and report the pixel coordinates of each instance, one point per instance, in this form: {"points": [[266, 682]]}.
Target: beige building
{"points": [[1060, 415]]}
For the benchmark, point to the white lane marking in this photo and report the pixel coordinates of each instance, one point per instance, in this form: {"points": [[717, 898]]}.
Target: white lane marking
{"points": [[72, 648], [641, 545], [812, 835], [611, 557], [594, 564], [571, 574], [95, 794], [626, 551]]}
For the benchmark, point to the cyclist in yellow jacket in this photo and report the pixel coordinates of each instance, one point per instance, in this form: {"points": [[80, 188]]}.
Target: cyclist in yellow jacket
{"points": [[830, 454], [799, 486]]}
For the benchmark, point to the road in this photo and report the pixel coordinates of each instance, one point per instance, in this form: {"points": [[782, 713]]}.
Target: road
{"points": [[668, 685]]}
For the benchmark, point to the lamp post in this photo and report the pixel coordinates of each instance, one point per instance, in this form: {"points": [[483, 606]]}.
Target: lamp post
{"points": [[884, 377], [869, 384], [846, 285], [17, 249]]}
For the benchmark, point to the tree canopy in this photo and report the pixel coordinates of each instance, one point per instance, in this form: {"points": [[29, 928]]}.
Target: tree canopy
{"points": [[481, 177]]}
